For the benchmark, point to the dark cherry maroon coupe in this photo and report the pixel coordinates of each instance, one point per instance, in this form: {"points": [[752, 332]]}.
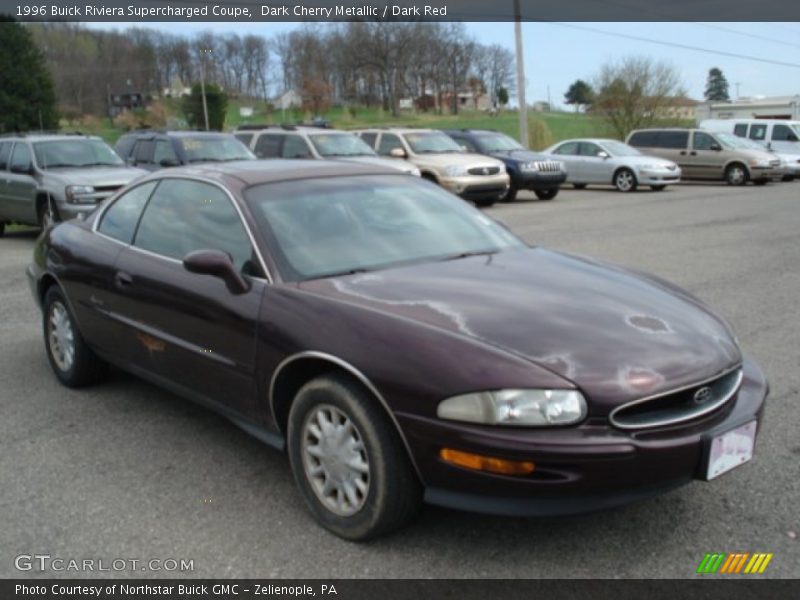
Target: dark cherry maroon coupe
{"points": [[399, 344]]}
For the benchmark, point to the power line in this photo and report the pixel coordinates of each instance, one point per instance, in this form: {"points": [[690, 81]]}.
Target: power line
{"points": [[747, 34], [674, 44]]}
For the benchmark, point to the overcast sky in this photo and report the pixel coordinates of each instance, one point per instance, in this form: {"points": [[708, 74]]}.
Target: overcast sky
{"points": [[557, 54]]}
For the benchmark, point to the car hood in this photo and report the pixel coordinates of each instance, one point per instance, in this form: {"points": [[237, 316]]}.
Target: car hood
{"points": [[456, 158], [390, 163], [96, 176], [522, 155], [616, 334]]}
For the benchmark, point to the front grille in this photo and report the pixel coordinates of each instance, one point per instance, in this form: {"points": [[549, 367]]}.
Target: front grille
{"points": [[484, 171], [680, 405], [775, 163], [548, 166]]}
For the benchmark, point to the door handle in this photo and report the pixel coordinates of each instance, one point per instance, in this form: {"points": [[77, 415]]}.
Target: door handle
{"points": [[693, 153], [683, 152], [123, 279]]}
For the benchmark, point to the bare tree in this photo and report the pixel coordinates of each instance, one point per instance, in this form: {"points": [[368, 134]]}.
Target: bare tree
{"points": [[635, 93]]}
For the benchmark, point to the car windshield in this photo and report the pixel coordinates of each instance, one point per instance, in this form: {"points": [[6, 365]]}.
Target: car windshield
{"points": [[620, 149], [340, 144], [326, 227], [431, 142], [214, 149], [75, 153], [497, 142]]}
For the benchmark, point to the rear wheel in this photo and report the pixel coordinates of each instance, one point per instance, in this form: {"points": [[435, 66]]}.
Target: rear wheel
{"points": [[625, 180], [348, 460], [579, 186], [736, 174], [658, 188], [72, 360], [547, 194]]}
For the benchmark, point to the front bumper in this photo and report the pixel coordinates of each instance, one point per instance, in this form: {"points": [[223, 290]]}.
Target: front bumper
{"points": [[578, 469], [766, 173], [658, 176], [67, 211], [477, 187], [536, 180]]}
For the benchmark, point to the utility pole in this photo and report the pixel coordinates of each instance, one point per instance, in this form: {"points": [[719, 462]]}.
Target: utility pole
{"points": [[203, 85], [523, 106], [737, 84]]}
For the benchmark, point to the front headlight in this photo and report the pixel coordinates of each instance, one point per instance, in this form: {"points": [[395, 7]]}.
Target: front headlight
{"points": [[758, 162], [455, 170], [516, 407], [529, 166], [75, 192], [415, 171]]}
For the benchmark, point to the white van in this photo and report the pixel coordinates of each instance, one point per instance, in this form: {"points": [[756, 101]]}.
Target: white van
{"points": [[780, 136]]}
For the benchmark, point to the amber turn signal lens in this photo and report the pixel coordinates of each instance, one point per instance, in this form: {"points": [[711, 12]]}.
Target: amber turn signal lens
{"points": [[486, 463]]}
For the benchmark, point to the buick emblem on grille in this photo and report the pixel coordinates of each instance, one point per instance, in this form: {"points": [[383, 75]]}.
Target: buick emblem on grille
{"points": [[485, 170], [703, 395]]}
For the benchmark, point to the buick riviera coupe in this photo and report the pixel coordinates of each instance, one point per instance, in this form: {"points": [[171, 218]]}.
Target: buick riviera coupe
{"points": [[397, 343]]}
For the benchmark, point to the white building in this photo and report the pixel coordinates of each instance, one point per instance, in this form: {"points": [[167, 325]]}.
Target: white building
{"points": [[288, 99], [776, 107]]}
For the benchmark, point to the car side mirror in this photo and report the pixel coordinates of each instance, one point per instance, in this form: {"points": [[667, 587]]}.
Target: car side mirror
{"points": [[22, 169], [217, 264], [397, 153], [715, 147], [602, 154], [168, 162], [464, 148]]}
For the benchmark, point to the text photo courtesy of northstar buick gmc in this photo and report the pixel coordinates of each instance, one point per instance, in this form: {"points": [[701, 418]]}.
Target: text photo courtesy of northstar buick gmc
{"points": [[397, 343]]}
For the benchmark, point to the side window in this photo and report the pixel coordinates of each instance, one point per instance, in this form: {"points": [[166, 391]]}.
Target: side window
{"points": [[120, 219], [568, 149], [295, 147], [676, 140], [468, 144], [702, 141], [643, 138], [369, 138], [782, 133], [589, 149], [268, 146], [166, 153], [740, 130], [758, 132], [124, 146], [5, 150], [143, 152], [245, 138], [20, 157], [183, 216], [389, 142]]}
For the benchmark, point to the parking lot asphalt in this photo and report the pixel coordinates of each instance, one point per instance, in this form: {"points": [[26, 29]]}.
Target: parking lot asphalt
{"points": [[125, 470]]}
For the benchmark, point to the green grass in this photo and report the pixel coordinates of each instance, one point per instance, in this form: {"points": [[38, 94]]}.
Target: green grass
{"points": [[562, 125]]}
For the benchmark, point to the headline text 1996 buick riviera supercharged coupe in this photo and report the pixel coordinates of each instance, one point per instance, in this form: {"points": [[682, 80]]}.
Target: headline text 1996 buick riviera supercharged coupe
{"points": [[400, 344]]}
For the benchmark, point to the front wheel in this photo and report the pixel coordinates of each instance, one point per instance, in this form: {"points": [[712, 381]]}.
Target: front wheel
{"points": [[736, 174], [625, 180], [72, 360], [510, 195], [348, 460], [547, 194]]}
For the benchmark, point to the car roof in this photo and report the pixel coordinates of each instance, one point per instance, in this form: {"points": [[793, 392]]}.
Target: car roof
{"points": [[397, 129], [178, 133], [254, 172], [476, 130], [47, 137]]}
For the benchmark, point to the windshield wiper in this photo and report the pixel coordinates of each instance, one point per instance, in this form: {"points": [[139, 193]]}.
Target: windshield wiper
{"points": [[469, 254], [195, 160], [100, 164], [58, 165], [342, 273]]}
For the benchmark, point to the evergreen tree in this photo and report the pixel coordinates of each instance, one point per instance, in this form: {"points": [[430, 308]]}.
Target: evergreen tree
{"points": [[717, 86], [217, 102], [27, 99]]}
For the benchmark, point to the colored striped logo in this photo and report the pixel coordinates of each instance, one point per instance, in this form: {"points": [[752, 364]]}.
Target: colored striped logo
{"points": [[734, 564]]}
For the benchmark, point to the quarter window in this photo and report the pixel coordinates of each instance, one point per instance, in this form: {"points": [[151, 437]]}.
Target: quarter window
{"points": [[184, 216], [120, 219], [5, 150], [758, 132]]}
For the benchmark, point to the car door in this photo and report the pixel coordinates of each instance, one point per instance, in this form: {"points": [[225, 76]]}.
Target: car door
{"points": [[595, 168], [184, 328], [672, 144], [706, 156], [569, 154], [21, 186]]}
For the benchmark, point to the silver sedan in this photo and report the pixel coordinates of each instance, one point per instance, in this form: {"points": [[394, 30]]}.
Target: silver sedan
{"points": [[604, 161]]}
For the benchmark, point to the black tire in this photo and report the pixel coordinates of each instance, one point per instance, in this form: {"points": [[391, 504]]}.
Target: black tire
{"points": [[485, 202], [510, 195], [760, 182], [2, 229], [393, 494], [547, 194], [736, 174], [787, 178], [429, 177], [658, 188], [579, 186], [46, 213], [85, 367], [625, 180]]}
